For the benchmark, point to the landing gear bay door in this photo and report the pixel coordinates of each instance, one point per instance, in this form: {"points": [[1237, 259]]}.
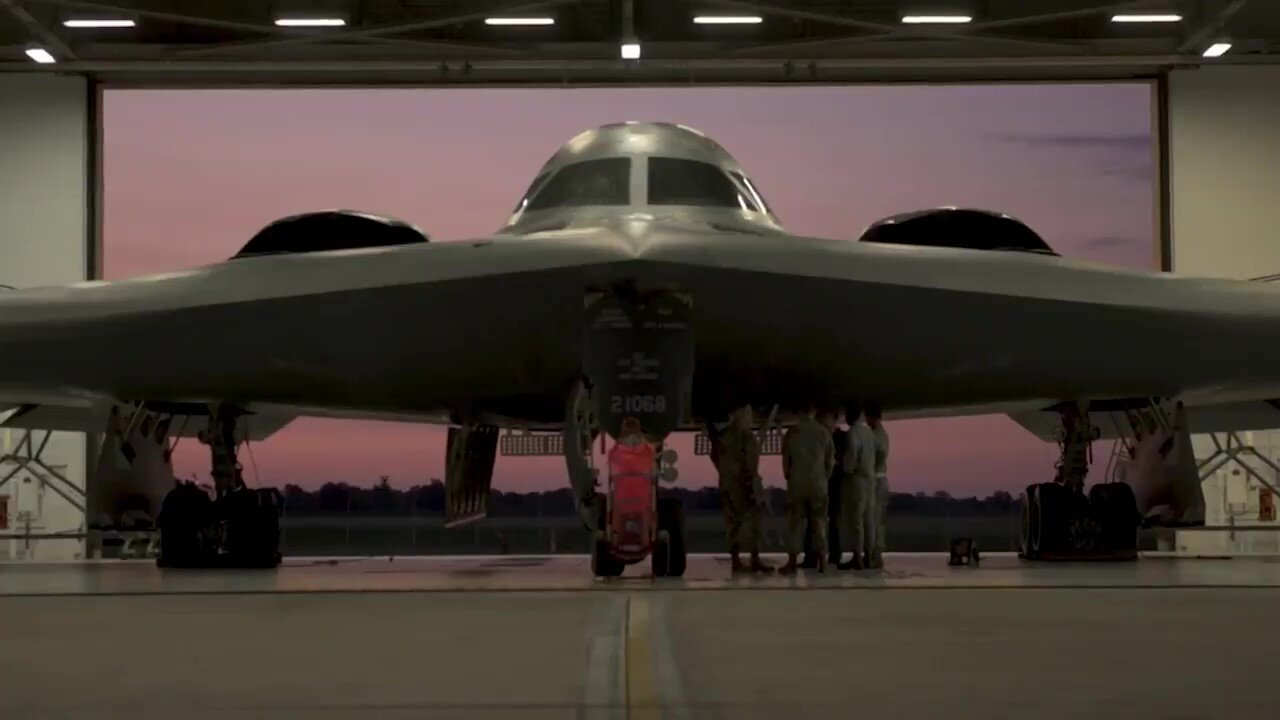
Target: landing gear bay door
{"points": [[468, 470], [639, 358]]}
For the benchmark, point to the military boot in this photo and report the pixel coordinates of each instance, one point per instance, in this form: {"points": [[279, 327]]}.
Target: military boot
{"points": [[877, 561]]}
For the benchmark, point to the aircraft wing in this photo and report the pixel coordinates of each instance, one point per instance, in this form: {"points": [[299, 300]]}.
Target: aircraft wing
{"points": [[1210, 418], [395, 332], [937, 331], [491, 328], [92, 418]]}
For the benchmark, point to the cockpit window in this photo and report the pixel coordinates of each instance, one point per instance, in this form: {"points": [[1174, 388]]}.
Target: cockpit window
{"points": [[675, 181], [534, 187], [751, 188], [606, 181]]}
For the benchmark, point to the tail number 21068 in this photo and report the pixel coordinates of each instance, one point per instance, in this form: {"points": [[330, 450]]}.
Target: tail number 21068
{"points": [[638, 403]]}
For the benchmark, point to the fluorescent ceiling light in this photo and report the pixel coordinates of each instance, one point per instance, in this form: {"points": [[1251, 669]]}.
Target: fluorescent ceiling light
{"points": [[1146, 18], [936, 19], [631, 51], [519, 21], [727, 19], [40, 55], [310, 22], [1217, 49], [99, 23]]}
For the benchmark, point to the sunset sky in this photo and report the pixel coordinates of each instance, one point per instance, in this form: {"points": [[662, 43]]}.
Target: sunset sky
{"points": [[189, 176]]}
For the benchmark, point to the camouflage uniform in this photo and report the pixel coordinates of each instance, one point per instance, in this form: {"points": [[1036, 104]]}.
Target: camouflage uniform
{"points": [[808, 457], [835, 514], [882, 491], [859, 489], [738, 463]]}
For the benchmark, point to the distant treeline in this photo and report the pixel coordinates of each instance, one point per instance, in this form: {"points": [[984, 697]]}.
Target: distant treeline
{"points": [[382, 499]]}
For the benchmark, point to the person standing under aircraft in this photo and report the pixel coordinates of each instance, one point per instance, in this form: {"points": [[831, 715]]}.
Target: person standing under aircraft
{"points": [[738, 466], [835, 492], [808, 458], [880, 505], [839, 438], [859, 488]]}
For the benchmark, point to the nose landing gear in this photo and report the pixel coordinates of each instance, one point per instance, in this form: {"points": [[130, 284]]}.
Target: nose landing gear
{"points": [[639, 365]]}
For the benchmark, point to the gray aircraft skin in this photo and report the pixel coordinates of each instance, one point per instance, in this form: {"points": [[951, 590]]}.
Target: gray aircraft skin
{"points": [[490, 329]]}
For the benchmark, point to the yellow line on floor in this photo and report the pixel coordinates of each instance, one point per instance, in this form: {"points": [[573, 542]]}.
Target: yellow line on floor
{"points": [[642, 700]]}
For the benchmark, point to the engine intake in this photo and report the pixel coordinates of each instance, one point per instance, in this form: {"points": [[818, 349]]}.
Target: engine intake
{"points": [[330, 230], [960, 228]]}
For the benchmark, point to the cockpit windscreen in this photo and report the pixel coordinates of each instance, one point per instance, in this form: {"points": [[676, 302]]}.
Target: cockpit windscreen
{"points": [[606, 181], [534, 187], [751, 188], [676, 181]]}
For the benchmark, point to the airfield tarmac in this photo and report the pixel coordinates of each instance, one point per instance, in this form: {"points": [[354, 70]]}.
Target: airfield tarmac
{"points": [[536, 637]]}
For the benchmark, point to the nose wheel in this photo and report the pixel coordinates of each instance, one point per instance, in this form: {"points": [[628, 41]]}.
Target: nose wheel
{"points": [[604, 563], [669, 555]]}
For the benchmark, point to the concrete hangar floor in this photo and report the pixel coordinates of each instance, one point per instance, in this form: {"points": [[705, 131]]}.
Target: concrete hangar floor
{"points": [[535, 637]]}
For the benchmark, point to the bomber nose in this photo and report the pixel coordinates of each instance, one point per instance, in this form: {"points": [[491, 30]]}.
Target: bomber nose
{"points": [[636, 228]]}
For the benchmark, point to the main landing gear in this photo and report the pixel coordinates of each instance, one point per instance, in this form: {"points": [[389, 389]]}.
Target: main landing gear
{"points": [[239, 527], [638, 362], [1061, 522]]}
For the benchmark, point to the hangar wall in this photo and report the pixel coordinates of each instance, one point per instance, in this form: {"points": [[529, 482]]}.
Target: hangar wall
{"points": [[1224, 170], [1223, 138], [45, 221]]}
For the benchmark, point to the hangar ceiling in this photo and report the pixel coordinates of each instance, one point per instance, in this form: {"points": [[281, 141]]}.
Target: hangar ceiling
{"points": [[212, 42]]}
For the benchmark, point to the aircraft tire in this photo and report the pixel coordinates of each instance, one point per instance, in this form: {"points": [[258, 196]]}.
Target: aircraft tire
{"points": [[253, 528], [669, 553], [1028, 537], [184, 520], [1053, 519], [1116, 510], [603, 562], [1046, 520]]}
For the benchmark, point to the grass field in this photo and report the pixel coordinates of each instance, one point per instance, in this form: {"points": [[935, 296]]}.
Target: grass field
{"points": [[705, 533]]}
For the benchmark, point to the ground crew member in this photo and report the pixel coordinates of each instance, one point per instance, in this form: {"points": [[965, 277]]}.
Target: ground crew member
{"points": [[808, 458], [858, 488], [833, 518], [835, 493], [738, 465], [881, 502]]}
